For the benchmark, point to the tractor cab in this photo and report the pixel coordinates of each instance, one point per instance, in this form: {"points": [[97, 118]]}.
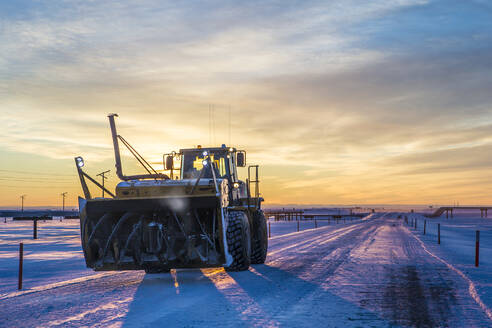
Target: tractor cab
{"points": [[209, 163], [223, 160]]}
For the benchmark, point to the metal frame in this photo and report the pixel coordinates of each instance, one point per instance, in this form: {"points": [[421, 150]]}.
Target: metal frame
{"points": [[82, 176], [141, 160], [256, 182]]}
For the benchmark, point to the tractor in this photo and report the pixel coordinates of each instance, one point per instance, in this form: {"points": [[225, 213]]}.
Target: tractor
{"points": [[195, 213]]}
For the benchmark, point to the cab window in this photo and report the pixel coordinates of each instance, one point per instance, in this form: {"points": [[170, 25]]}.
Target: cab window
{"points": [[193, 165]]}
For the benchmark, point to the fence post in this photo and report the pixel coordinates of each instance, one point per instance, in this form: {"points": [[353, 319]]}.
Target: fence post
{"points": [[35, 229], [21, 258], [269, 230], [415, 224], [315, 223], [425, 225], [439, 233], [297, 226], [477, 247]]}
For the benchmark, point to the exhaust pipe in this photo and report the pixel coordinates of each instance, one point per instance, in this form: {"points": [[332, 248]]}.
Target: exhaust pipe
{"points": [[117, 157], [116, 146]]}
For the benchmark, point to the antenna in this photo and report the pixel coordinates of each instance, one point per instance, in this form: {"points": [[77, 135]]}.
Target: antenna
{"points": [[213, 122], [209, 124], [229, 125]]}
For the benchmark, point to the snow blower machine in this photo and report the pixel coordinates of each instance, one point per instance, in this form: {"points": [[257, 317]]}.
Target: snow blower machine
{"points": [[197, 215]]}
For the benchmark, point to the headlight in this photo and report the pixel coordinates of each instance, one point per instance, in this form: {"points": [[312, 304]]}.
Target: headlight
{"points": [[204, 163], [80, 161], [231, 149], [205, 153], [236, 185]]}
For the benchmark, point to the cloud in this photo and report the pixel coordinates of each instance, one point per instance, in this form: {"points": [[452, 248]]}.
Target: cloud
{"points": [[347, 93]]}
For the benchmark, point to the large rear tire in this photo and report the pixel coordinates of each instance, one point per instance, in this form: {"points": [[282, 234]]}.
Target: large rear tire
{"points": [[259, 240], [238, 241]]}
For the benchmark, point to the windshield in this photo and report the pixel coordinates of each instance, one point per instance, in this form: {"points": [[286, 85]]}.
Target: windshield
{"points": [[193, 165]]}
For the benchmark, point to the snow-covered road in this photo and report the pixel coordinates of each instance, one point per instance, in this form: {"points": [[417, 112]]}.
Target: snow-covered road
{"points": [[370, 273]]}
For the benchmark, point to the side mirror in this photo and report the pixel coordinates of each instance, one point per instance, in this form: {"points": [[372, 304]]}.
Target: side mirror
{"points": [[169, 162], [241, 159]]}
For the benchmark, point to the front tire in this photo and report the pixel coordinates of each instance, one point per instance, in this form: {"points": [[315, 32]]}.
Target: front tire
{"points": [[259, 242], [238, 241]]}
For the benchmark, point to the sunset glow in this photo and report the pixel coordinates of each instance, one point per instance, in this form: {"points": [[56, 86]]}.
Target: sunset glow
{"points": [[346, 102]]}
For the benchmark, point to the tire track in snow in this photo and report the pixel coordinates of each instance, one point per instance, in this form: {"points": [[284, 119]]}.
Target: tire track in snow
{"points": [[318, 263], [250, 310], [471, 286], [384, 275], [320, 236], [288, 237], [58, 284], [80, 316], [85, 303]]}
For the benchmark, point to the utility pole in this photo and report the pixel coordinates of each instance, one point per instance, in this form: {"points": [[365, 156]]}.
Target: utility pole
{"points": [[63, 194], [103, 177], [22, 199]]}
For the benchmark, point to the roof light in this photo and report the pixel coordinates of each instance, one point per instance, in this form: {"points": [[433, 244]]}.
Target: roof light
{"points": [[80, 161], [205, 153]]}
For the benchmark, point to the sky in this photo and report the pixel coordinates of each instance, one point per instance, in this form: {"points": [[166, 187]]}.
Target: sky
{"points": [[339, 102]]}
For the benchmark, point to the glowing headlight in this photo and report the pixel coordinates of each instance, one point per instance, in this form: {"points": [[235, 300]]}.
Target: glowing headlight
{"points": [[80, 161], [231, 149], [236, 185], [204, 163], [205, 153]]}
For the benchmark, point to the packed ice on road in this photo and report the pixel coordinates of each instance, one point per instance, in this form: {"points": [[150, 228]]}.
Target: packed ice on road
{"points": [[371, 272]]}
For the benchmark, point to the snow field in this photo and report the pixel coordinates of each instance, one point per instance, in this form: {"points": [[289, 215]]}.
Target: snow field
{"points": [[458, 247], [374, 272]]}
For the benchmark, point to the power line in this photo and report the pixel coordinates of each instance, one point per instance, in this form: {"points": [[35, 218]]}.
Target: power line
{"points": [[45, 186], [40, 173], [35, 180]]}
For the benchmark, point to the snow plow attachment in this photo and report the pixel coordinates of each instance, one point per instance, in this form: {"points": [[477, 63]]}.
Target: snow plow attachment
{"points": [[153, 233]]}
